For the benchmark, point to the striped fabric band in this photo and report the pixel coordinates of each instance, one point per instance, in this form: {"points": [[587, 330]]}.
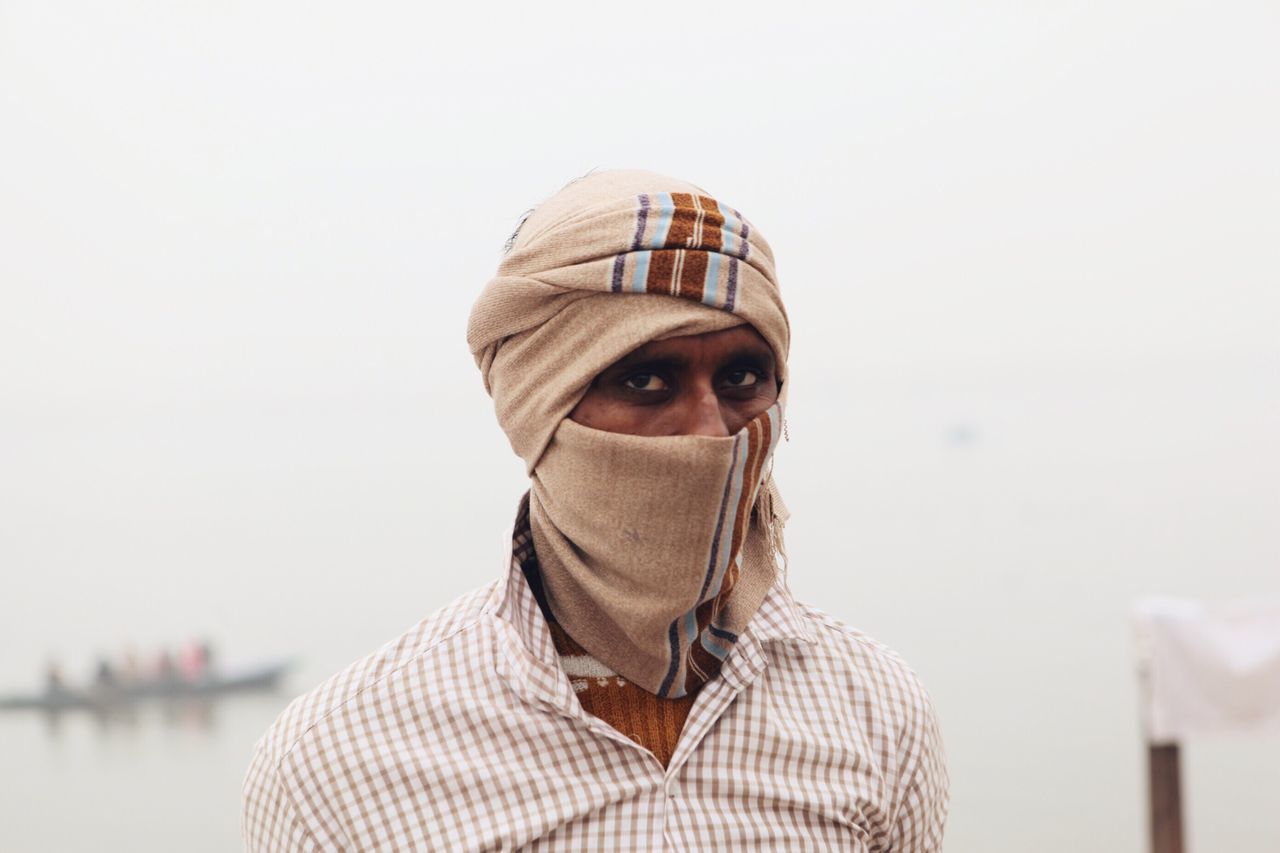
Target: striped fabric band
{"points": [[706, 642], [685, 245]]}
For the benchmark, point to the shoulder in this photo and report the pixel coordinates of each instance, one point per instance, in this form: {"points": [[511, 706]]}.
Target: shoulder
{"points": [[897, 712], [912, 742], [334, 739], [870, 662], [424, 640]]}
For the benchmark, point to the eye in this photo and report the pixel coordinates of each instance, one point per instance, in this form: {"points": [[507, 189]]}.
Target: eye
{"points": [[645, 382], [741, 378]]}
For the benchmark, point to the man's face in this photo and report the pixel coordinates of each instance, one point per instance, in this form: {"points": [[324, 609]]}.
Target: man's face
{"points": [[710, 384]]}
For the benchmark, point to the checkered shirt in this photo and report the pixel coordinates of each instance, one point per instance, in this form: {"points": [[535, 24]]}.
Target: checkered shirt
{"points": [[464, 733]]}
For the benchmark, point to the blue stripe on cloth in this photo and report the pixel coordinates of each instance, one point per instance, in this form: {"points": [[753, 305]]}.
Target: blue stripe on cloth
{"points": [[712, 279], [728, 230], [691, 626], [713, 645], [666, 207], [641, 273], [775, 429]]}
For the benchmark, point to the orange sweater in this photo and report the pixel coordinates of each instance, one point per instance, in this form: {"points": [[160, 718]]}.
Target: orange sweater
{"points": [[651, 722]]}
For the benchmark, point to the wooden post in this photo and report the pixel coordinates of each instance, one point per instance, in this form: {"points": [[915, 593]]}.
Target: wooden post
{"points": [[1165, 791]]}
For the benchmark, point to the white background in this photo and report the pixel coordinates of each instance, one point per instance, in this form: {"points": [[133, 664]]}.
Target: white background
{"points": [[1030, 253]]}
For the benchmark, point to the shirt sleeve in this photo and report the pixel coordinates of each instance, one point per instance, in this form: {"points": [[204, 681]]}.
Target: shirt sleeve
{"points": [[922, 811], [270, 819]]}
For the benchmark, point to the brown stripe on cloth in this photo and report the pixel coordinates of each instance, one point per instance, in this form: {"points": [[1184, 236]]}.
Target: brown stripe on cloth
{"points": [[693, 276], [713, 221], [684, 222], [662, 267]]}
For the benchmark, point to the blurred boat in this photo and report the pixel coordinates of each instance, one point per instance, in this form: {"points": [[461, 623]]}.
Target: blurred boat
{"points": [[263, 677]]}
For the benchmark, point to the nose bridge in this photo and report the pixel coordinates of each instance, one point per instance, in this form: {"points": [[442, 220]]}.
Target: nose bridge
{"points": [[704, 415]]}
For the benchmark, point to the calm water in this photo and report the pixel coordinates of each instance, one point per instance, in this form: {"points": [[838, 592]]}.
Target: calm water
{"points": [[991, 524]]}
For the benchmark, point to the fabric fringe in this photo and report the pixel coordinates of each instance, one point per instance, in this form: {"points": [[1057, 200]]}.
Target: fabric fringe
{"points": [[772, 515]]}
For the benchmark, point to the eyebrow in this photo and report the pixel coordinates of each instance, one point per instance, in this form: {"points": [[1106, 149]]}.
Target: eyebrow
{"points": [[748, 352], [672, 361]]}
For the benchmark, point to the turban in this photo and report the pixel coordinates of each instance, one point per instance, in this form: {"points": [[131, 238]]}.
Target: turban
{"points": [[576, 292]]}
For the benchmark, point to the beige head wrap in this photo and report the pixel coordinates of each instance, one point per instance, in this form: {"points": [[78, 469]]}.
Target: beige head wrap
{"points": [[651, 557], [573, 294]]}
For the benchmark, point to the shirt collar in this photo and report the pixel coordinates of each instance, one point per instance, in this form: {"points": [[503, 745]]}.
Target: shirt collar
{"points": [[514, 600]]}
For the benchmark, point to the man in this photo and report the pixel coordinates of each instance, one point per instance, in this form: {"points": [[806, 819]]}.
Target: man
{"points": [[639, 677]]}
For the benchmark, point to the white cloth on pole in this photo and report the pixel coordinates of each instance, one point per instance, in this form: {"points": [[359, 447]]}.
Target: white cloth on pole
{"points": [[1208, 668]]}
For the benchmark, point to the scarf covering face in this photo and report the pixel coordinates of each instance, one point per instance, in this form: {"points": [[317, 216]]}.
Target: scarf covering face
{"points": [[640, 545], [654, 551]]}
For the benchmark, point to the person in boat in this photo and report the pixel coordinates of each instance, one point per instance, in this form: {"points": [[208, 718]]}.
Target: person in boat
{"points": [[193, 661], [129, 671], [165, 669], [104, 677], [207, 661], [55, 685], [639, 676]]}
